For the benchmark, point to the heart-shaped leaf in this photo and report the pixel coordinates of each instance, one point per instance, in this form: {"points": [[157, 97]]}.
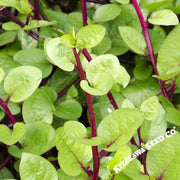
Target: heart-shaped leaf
{"points": [[59, 54], [36, 167], [34, 57], [10, 138], [150, 107], [71, 155], [133, 38], [107, 12], [21, 82], [164, 17], [38, 139], [117, 128], [101, 84], [90, 36], [76, 131]]}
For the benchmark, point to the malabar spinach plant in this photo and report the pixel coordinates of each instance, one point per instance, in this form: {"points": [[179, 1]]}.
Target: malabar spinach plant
{"points": [[89, 89]]}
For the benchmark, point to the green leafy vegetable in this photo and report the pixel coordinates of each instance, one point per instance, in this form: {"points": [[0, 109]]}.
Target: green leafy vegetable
{"points": [[20, 83], [32, 167], [133, 38], [9, 137]]}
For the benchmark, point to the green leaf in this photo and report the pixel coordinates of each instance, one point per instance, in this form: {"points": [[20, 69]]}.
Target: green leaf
{"points": [[139, 70], [102, 47], [5, 173], [1, 74], [105, 63], [60, 17], [71, 155], [106, 12], [105, 106], [21, 5], [169, 53], [21, 82], [163, 17], [76, 131], [11, 26], [47, 32], [59, 54], [75, 18], [39, 138], [138, 91], [153, 5], [36, 167], [72, 93], [157, 36], [153, 129], [169, 74], [69, 109], [90, 36], [124, 123], [7, 37], [7, 64], [2, 115], [121, 176], [133, 170], [62, 79], [68, 40], [101, 84], [124, 20], [150, 107], [127, 104], [133, 38], [163, 159], [173, 115], [10, 138], [64, 176], [34, 57], [118, 47], [38, 107], [26, 40], [123, 78], [122, 154], [122, 1]]}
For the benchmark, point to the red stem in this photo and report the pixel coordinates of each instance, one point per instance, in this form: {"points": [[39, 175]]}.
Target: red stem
{"points": [[8, 158], [98, 2], [103, 153], [17, 21], [7, 111], [86, 54], [133, 142], [92, 118], [37, 9], [32, 6], [84, 12], [110, 96], [149, 46], [112, 100], [173, 87], [67, 88]]}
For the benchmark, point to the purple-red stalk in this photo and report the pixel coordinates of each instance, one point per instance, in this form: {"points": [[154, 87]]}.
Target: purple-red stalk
{"points": [[37, 9], [84, 12], [7, 111], [8, 14], [149, 44], [33, 7], [92, 118], [8, 158]]}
